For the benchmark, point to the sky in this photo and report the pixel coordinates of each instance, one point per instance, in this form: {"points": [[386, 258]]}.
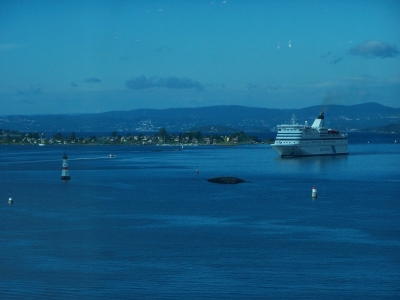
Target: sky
{"points": [[83, 56]]}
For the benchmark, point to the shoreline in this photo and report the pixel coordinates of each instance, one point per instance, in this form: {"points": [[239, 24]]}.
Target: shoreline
{"points": [[142, 145]]}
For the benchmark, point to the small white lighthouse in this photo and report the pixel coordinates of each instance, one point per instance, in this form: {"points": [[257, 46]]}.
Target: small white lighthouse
{"points": [[64, 173]]}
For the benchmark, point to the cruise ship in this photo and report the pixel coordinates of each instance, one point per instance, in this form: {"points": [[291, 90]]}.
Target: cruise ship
{"points": [[304, 140]]}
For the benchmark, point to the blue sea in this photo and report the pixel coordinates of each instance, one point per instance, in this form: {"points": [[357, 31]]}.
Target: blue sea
{"points": [[146, 225]]}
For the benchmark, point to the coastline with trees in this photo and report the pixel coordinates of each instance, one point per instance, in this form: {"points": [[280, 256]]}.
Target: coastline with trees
{"points": [[162, 137]]}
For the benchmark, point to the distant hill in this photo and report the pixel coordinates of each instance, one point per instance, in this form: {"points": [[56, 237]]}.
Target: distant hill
{"points": [[390, 128], [342, 117]]}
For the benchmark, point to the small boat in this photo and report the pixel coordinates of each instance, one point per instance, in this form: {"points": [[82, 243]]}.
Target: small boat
{"points": [[10, 200], [41, 143], [111, 156]]}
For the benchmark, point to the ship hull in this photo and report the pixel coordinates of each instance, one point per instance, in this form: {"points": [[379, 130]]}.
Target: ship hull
{"points": [[299, 150]]}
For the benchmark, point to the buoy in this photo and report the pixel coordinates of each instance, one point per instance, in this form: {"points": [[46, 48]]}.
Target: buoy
{"points": [[64, 173], [10, 200], [314, 192]]}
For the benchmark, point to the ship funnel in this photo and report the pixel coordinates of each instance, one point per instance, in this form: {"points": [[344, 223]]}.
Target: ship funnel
{"points": [[319, 121]]}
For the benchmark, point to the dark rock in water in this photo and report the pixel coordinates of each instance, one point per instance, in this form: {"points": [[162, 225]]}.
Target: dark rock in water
{"points": [[226, 180]]}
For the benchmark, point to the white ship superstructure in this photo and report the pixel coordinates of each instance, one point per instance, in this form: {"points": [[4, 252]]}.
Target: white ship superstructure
{"points": [[302, 140]]}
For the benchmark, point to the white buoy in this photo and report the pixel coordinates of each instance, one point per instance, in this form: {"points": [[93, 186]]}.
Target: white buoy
{"points": [[65, 173], [10, 200], [314, 192]]}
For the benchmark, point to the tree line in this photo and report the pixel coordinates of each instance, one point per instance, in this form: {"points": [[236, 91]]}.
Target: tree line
{"points": [[160, 137]]}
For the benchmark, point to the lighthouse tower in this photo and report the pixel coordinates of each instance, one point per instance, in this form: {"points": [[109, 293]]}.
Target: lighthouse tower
{"points": [[64, 173]]}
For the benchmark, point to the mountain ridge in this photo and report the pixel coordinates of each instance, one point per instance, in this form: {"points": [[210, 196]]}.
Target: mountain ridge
{"points": [[245, 118]]}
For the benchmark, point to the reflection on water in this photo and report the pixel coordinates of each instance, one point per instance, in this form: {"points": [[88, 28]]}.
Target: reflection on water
{"points": [[311, 164]]}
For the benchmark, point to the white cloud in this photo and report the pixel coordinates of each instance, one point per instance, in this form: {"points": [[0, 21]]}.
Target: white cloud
{"points": [[374, 48]]}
